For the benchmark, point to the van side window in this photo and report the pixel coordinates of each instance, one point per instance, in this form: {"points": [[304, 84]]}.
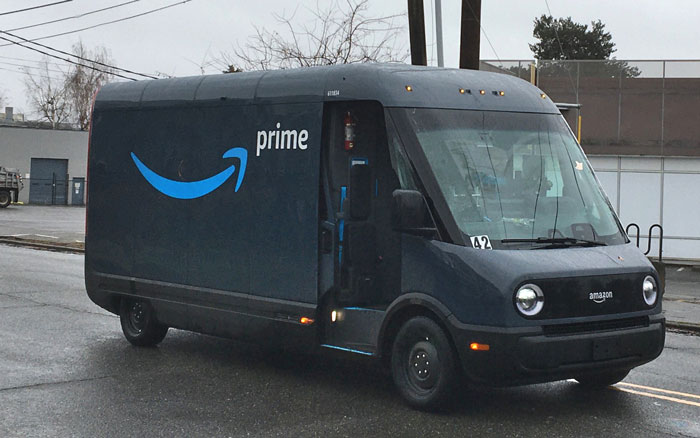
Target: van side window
{"points": [[399, 160]]}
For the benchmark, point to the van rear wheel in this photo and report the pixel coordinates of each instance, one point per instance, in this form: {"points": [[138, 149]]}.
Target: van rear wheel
{"points": [[423, 364], [602, 379], [139, 324]]}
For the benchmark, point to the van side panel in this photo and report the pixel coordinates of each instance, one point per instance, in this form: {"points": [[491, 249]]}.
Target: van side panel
{"points": [[259, 240], [284, 204]]}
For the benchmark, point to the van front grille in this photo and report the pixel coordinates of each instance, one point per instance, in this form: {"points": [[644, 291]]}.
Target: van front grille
{"points": [[595, 326]]}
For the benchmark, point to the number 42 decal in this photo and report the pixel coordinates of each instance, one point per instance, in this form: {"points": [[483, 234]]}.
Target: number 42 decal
{"points": [[481, 242]]}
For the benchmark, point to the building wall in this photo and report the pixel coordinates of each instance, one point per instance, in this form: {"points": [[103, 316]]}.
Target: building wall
{"points": [[19, 145], [656, 190]]}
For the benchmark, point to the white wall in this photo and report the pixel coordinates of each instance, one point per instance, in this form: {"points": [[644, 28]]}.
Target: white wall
{"points": [[651, 190], [18, 145]]}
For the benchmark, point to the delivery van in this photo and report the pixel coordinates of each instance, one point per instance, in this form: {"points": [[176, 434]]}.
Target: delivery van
{"points": [[443, 221]]}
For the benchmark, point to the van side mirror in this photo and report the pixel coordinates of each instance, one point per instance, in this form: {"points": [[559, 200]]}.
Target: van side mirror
{"points": [[360, 196], [410, 213]]}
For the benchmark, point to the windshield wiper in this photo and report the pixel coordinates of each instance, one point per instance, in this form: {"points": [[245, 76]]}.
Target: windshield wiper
{"points": [[556, 241]]}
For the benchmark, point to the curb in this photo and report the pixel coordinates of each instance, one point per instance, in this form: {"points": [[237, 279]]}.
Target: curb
{"points": [[684, 299], [38, 245], [684, 326]]}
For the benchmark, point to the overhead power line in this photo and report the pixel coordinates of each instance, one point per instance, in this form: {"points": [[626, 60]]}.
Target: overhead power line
{"points": [[35, 7], [73, 55], [107, 22], [84, 14], [561, 48], [38, 74], [34, 61], [31, 67], [67, 60]]}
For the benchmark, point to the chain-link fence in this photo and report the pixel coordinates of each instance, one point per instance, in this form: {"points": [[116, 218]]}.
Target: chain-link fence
{"points": [[627, 107]]}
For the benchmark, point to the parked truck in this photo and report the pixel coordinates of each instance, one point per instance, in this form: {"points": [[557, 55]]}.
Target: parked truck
{"points": [[10, 185]]}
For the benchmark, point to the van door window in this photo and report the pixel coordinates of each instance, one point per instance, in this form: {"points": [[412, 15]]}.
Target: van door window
{"points": [[399, 160]]}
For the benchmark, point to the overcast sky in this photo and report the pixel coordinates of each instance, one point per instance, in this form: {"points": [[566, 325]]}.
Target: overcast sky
{"points": [[178, 40]]}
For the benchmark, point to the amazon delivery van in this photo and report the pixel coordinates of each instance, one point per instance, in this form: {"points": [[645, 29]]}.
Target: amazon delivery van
{"points": [[444, 221]]}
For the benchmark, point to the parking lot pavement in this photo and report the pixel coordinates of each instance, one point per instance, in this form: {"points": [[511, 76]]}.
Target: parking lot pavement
{"points": [[67, 371], [50, 224], [683, 283]]}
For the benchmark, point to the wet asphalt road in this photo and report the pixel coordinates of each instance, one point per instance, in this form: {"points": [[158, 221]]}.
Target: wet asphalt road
{"points": [[65, 370]]}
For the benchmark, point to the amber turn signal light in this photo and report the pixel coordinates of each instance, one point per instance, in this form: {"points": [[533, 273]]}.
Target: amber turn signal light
{"points": [[479, 347]]}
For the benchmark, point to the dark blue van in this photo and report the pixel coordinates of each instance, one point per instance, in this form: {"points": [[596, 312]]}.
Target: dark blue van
{"points": [[444, 221]]}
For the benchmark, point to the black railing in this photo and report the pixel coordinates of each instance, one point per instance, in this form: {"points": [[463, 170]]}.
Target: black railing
{"points": [[651, 230]]}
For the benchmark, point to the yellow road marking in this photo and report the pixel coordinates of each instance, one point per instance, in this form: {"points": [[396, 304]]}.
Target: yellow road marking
{"points": [[662, 397], [665, 391]]}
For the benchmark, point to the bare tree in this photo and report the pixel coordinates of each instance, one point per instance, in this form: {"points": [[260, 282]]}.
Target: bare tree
{"points": [[47, 94], [342, 33], [85, 78]]}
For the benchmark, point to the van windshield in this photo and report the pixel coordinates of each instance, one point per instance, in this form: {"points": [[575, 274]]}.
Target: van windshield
{"points": [[519, 178]]}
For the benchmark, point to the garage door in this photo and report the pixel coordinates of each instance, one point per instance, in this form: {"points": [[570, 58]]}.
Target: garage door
{"points": [[48, 182]]}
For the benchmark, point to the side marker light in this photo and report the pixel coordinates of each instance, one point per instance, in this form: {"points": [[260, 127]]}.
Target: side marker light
{"points": [[306, 321], [479, 347]]}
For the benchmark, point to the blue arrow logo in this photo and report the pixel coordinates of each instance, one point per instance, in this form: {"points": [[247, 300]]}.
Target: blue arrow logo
{"points": [[194, 189]]}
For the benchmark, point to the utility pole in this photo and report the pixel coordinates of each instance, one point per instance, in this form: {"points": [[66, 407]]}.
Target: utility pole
{"points": [[416, 31], [438, 32], [470, 34]]}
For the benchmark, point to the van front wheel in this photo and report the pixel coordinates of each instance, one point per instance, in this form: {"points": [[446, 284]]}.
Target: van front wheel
{"points": [[139, 323], [423, 364]]}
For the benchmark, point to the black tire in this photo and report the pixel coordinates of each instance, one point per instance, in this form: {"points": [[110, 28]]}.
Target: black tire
{"points": [[139, 324], [423, 364], [602, 379], [5, 198]]}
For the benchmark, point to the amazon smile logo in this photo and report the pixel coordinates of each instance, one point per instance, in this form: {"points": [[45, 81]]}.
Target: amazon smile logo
{"points": [[195, 189], [600, 297]]}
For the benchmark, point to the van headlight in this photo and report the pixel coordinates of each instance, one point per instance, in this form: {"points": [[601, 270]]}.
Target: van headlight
{"points": [[649, 290], [529, 299]]}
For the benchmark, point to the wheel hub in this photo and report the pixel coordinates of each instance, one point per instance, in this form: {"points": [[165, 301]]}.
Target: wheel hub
{"points": [[423, 365], [137, 316]]}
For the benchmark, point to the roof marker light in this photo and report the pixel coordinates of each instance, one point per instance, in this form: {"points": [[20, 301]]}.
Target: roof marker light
{"points": [[501, 93], [543, 96], [409, 88], [482, 92], [462, 91]]}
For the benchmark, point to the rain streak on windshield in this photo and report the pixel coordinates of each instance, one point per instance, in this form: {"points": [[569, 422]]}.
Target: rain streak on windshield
{"points": [[514, 175]]}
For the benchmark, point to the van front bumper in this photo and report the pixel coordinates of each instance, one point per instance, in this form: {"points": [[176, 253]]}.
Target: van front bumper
{"points": [[547, 353]]}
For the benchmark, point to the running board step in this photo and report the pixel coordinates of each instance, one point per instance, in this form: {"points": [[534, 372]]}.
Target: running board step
{"points": [[354, 329]]}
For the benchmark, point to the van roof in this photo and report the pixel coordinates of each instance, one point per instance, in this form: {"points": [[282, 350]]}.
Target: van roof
{"points": [[389, 84]]}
